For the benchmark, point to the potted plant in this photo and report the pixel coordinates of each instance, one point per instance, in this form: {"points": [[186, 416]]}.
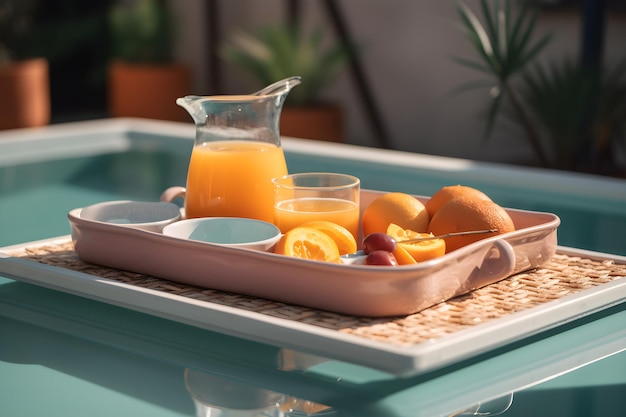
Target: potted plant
{"points": [[278, 52], [580, 112], [24, 79], [143, 79], [573, 117]]}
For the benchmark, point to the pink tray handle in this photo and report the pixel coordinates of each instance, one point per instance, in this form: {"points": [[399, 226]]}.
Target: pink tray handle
{"points": [[498, 263]]}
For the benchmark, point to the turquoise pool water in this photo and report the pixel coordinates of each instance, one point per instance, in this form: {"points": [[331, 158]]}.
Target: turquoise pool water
{"points": [[35, 197]]}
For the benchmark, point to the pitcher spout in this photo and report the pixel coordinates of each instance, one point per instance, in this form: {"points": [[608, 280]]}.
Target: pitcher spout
{"points": [[193, 105], [281, 87], [199, 107]]}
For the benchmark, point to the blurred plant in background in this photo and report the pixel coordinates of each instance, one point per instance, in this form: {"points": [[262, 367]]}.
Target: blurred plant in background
{"points": [[16, 29], [573, 117], [144, 79], [279, 52], [141, 31], [582, 112], [71, 36]]}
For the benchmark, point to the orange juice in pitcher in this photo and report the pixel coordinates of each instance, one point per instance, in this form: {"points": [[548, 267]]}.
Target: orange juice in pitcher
{"points": [[233, 179], [236, 153]]}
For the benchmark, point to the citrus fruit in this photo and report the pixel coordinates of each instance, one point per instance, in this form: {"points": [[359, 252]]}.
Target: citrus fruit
{"points": [[308, 243], [419, 251], [346, 243], [399, 208], [467, 213], [402, 256], [445, 194]]}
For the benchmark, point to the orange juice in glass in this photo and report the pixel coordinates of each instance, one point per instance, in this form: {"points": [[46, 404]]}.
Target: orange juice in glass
{"points": [[237, 152], [300, 198]]}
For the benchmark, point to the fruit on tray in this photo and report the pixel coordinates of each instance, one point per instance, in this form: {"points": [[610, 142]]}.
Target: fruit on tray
{"points": [[469, 213], [379, 241], [397, 252], [452, 209], [308, 243], [420, 251], [402, 209], [379, 248], [447, 193], [392, 219], [346, 243], [376, 244], [403, 257], [381, 258]]}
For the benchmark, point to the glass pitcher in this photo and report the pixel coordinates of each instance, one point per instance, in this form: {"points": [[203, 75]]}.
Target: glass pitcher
{"points": [[236, 153]]}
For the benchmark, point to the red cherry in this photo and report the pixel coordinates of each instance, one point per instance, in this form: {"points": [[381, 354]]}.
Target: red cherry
{"points": [[381, 257], [379, 241]]}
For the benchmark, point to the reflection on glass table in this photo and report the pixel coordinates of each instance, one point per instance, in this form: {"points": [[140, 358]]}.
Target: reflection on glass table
{"points": [[217, 396], [139, 366]]}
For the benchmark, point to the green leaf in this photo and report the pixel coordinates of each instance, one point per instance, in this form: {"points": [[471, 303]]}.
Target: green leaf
{"points": [[482, 41], [473, 64], [492, 114], [491, 27], [288, 51]]}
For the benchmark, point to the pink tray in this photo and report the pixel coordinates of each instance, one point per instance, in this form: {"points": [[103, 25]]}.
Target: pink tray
{"points": [[350, 289]]}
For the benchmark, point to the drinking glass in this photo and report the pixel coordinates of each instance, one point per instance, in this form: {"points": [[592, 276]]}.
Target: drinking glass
{"points": [[304, 197]]}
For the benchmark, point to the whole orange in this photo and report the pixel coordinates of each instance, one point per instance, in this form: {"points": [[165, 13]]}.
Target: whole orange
{"points": [[444, 194], [402, 209], [463, 214]]}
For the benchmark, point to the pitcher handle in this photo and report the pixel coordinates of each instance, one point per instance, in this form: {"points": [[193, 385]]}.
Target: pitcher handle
{"points": [[173, 193]]}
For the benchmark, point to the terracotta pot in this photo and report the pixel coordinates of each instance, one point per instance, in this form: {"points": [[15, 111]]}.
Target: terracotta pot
{"points": [[323, 122], [24, 94], [149, 91]]}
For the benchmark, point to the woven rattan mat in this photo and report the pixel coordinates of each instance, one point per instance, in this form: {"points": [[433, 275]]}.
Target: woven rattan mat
{"points": [[562, 276]]}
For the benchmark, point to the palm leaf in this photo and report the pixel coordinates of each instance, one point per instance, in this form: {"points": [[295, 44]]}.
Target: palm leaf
{"points": [[491, 28], [476, 31], [505, 47], [560, 98], [492, 114], [473, 64], [502, 43]]}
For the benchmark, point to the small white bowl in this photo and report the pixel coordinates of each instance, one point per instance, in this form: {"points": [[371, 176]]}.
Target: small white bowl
{"points": [[228, 231], [151, 216]]}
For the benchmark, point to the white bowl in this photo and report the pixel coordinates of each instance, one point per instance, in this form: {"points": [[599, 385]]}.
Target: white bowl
{"points": [[152, 216], [228, 231]]}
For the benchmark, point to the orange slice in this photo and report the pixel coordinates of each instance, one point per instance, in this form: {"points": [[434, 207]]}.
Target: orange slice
{"points": [[308, 243], [403, 257], [346, 243], [419, 251]]}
